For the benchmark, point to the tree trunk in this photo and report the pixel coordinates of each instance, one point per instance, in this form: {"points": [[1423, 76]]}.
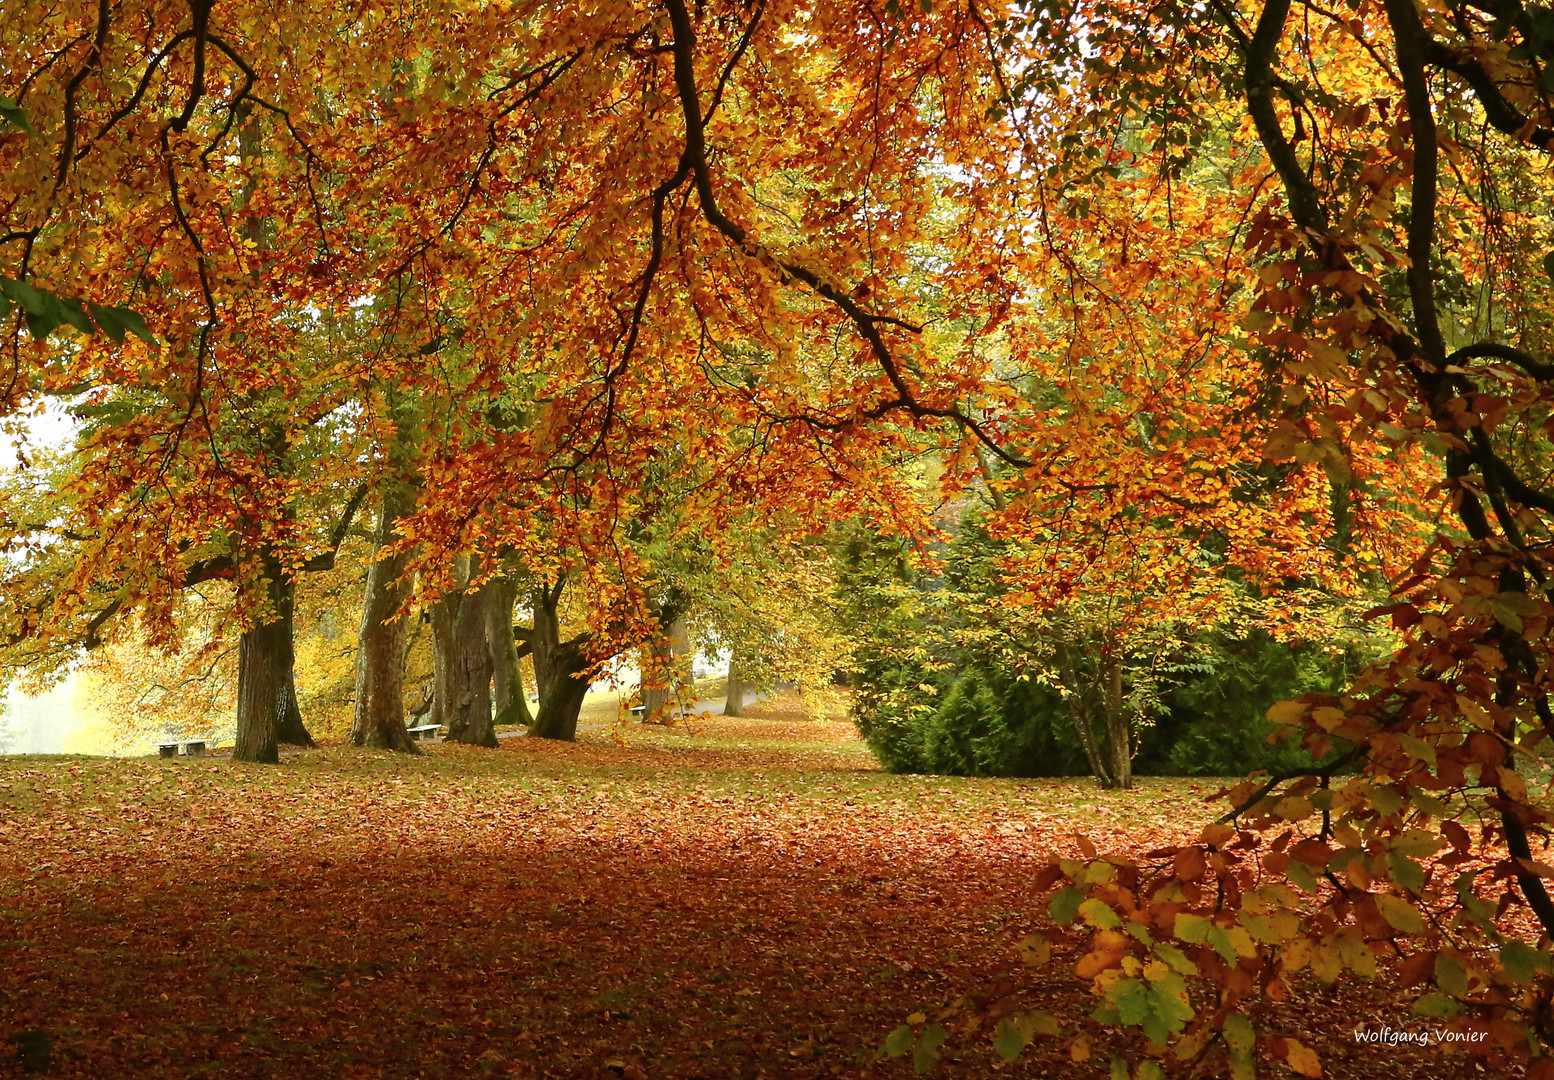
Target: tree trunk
{"points": [[509, 701], [1118, 730], [560, 707], [442, 646], [546, 640], [668, 660], [734, 704], [1082, 714], [521, 708], [657, 666], [1095, 756], [557, 667], [378, 721], [265, 691], [462, 697], [291, 731]]}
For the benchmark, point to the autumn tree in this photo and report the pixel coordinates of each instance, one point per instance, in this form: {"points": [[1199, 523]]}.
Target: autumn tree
{"points": [[378, 719], [1394, 296], [640, 272], [793, 243], [150, 169]]}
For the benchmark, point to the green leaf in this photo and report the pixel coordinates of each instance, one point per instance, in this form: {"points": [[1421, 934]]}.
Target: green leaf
{"points": [[46, 312], [1220, 941], [899, 1041], [1131, 1000], [1523, 962], [103, 414], [1386, 799], [1149, 1070], [1301, 875], [1099, 915], [12, 114], [46, 322], [116, 321], [1064, 905], [1176, 959], [1009, 1040], [1241, 1038], [72, 314], [1400, 914], [32, 301], [1239, 1033], [1479, 909], [1506, 617], [1406, 872], [1437, 1005], [1193, 929], [927, 1051], [1119, 1069], [1415, 841], [1451, 976], [1040, 1022], [1169, 1008], [1417, 747]]}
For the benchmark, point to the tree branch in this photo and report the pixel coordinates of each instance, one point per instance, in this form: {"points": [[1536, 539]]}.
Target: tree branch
{"points": [[326, 560], [866, 323]]}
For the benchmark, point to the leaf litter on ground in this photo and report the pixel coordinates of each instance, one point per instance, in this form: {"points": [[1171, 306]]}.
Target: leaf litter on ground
{"points": [[723, 898]]}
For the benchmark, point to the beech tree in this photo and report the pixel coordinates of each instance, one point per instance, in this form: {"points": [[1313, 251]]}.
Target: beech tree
{"points": [[527, 261], [1398, 153], [800, 244]]}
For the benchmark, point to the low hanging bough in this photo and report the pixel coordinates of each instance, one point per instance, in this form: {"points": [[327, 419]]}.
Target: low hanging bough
{"points": [[1400, 300]]}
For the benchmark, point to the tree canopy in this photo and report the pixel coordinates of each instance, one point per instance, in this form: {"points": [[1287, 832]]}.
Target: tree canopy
{"points": [[1218, 307]]}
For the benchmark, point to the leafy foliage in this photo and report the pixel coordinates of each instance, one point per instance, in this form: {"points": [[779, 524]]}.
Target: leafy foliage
{"points": [[1235, 314], [943, 686]]}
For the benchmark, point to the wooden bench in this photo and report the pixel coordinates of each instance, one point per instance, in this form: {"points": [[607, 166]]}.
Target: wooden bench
{"points": [[424, 731], [639, 712], [191, 748]]}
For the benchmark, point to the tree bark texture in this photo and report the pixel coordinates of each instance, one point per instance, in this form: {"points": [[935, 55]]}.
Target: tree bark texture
{"points": [[1098, 710], [668, 659], [1119, 728], [509, 702], [734, 692], [462, 694], [559, 668], [440, 615], [266, 691], [291, 730], [656, 665], [378, 720]]}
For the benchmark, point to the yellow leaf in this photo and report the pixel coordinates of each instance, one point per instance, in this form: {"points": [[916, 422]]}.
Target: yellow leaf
{"points": [[1327, 963], [1302, 1058], [1399, 913], [1475, 713], [1035, 951]]}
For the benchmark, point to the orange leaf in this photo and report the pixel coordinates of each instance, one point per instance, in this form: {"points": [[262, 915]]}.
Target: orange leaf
{"points": [[1302, 1058]]}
